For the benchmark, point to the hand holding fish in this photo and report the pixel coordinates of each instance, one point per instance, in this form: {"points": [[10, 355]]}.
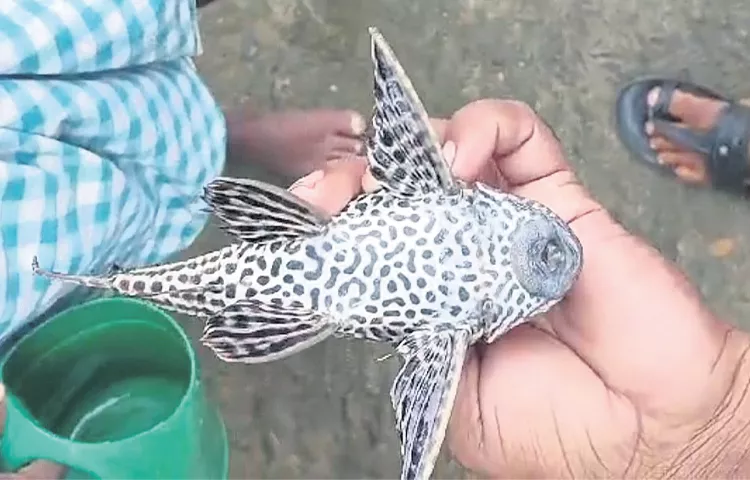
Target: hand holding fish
{"points": [[618, 371], [629, 376]]}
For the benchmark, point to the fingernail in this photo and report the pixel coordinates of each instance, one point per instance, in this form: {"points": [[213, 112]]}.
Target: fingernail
{"points": [[358, 124], [652, 97], [649, 128], [308, 181], [449, 152]]}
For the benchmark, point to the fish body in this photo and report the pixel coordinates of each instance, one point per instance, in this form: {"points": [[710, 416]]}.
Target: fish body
{"points": [[426, 264]]}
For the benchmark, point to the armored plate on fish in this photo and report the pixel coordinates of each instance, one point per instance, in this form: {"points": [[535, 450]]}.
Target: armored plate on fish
{"points": [[426, 264]]}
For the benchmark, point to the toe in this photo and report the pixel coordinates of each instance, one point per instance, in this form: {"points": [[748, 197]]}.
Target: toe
{"points": [[348, 123], [690, 175], [653, 96], [696, 113], [336, 146], [660, 144], [688, 166]]}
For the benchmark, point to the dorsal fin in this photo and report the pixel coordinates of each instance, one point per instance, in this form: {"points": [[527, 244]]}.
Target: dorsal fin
{"points": [[256, 211], [403, 149]]}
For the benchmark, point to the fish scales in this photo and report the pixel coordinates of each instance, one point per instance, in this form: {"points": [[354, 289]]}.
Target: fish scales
{"points": [[379, 264], [426, 263]]}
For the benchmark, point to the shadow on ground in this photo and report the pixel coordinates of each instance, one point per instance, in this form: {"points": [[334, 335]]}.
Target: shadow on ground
{"points": [[325, 413]]}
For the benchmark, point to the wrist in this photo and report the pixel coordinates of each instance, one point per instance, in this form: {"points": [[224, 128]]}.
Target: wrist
{"points": [[720, 448]]}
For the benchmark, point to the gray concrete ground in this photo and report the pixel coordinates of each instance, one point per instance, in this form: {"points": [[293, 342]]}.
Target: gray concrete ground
{"points": [[325, 413]]}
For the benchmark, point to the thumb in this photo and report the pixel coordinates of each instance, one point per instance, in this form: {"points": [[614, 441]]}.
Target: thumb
{"points": [[332, 187]]}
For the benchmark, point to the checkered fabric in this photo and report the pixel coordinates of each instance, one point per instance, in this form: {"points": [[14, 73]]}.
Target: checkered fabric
{"points": [[107, 136]]}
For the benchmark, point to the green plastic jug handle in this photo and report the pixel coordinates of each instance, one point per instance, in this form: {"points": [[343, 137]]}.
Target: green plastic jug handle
{"points": [[24, 441]]}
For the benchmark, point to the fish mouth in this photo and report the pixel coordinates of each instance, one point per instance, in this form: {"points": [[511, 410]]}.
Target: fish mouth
{"points": [[546, 257]]}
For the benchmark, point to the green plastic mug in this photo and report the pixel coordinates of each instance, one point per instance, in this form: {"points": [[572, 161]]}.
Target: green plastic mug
{"points": [[111, 389]]}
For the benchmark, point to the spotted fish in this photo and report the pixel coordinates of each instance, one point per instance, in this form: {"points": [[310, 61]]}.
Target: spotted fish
{"points": [[426, 264]]}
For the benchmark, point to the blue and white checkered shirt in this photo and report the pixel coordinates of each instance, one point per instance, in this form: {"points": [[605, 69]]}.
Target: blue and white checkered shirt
{"points": [[107, 136]]}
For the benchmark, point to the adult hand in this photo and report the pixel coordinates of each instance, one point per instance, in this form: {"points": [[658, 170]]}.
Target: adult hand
{"points": [[629, 376], [39, 469]]}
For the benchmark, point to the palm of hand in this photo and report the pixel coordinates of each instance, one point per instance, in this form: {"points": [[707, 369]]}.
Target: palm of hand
{"points": [[621, 377], [615, 379]]}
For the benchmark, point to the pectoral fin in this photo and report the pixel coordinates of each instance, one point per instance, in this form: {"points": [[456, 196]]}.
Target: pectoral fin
{"points": [[256, 212], [422, 396], [252, 332]]}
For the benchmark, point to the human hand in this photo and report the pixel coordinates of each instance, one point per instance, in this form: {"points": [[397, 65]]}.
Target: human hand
{"points": [[37, 470], [629, 376]]}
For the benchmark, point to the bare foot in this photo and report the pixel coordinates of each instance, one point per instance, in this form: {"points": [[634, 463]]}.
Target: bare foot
{"points": [[294, 143], [697, 113]]}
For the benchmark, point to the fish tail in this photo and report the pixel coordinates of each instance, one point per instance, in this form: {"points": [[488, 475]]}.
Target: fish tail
{"points": [[252, 332], [92, 281], [171, 286]]}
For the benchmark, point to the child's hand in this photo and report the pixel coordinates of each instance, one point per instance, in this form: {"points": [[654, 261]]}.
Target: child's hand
{"points": [[39, 469]]}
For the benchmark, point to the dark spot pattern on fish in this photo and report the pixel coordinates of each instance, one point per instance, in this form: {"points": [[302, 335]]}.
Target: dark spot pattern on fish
{"points": [[334, 273], [275, 267], [344, 288], [314, 298], [313, 255], [410, 265], [404, 280], [356, 261], [375, 289], [390, 301], [369, 268], [400, 246]]}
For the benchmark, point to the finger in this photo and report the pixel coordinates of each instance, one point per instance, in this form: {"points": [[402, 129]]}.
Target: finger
{"points": [[639, 323], [504, 425], [369, 184], [504, 144], [523, 146], [42, 470], [331, 188], [440, 125]]}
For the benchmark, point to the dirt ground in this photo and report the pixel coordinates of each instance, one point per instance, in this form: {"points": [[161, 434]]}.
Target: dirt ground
{"points": [[325, 413]]}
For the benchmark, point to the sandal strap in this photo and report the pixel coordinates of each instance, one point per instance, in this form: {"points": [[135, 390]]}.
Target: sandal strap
{"points": [[661, 108], [725, 147], [684, 137], [728, 160]]}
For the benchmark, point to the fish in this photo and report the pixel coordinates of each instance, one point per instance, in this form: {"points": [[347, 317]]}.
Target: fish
{"points": [[425, 263]]}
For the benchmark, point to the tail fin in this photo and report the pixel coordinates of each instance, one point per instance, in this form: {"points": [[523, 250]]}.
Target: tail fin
{"points": [[85, 280], [251, 332]]}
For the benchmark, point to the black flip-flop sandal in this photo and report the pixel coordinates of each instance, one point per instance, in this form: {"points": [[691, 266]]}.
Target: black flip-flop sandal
{"points": [[724, 148]]}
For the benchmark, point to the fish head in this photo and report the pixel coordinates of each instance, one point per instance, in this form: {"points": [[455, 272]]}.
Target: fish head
{"points": [[544, 255]]}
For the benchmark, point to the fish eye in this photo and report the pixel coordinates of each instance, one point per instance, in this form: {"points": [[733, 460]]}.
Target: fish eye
{"points": [[552, 255]]}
